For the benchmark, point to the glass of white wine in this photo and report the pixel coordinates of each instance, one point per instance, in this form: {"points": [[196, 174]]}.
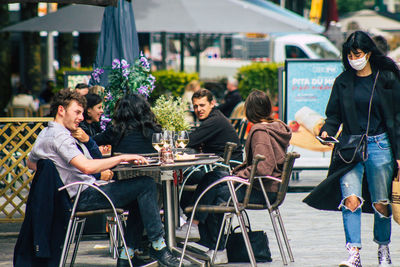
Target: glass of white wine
{"points": [[168, 139], [182, 139], [157, 141]]}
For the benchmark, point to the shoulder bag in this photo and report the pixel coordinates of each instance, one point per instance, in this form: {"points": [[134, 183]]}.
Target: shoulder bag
{"points": [[353, 148]]}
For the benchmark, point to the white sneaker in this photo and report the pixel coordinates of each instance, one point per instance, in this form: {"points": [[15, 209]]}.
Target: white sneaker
{"points": [[354, 259], [220, 258], [384, 256], [194, 232]]}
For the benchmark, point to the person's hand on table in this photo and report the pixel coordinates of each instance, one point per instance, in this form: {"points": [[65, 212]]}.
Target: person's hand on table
{"points": [[134, 159], [106, 175], [80, 135]]}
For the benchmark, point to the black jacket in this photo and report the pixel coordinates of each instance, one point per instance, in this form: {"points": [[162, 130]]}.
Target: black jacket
{"points": [[47, 212], [341, 109], [90, 129], [131, 142], [212, 135]]}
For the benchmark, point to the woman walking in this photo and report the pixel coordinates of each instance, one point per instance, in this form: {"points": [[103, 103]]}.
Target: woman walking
{"points": [[364, 99]]}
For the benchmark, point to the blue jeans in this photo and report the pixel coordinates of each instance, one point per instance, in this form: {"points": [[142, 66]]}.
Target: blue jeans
{"points": [[378, 170], [139, 196]]}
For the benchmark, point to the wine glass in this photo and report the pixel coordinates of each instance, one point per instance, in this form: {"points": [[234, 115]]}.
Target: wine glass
{"points": [[168, 138], [182, 139], [157, 142]]}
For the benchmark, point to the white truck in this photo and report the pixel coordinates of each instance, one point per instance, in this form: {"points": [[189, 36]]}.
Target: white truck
{"points": [[278, 47], [271, 48]]}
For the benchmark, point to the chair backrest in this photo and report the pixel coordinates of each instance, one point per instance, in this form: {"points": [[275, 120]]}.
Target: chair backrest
{"points": [[20, 111], [253, 171], [44, 110], [238, 111], [286, 174], [229, 147]]}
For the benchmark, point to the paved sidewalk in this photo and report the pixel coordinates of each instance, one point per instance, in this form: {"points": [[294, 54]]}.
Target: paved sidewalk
{"points": [[316, 237]]}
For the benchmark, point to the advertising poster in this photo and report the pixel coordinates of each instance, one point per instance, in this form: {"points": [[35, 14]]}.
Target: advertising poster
{"points": [[308, 87]]}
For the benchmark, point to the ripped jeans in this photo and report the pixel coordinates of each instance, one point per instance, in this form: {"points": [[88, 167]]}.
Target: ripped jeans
{"points": [[379, 173]]}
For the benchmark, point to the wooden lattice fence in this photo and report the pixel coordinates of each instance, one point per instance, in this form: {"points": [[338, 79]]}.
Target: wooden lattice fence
{"points": [[17, 136]]}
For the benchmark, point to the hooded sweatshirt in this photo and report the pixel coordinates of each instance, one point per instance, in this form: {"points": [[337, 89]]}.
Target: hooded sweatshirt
{"points": [[270, 140]]}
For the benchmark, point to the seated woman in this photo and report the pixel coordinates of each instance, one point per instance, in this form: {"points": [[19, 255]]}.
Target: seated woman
{"points": [[131, 131], [92, 115], [132, 127], [269, 137]]}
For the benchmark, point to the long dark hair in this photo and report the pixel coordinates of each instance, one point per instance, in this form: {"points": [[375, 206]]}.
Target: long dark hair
{"points": [[133, 112], [361, 40], [258, 107], [92, 100]]}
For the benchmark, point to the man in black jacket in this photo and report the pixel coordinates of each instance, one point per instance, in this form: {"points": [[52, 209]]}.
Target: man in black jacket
{"points": [[215, 129]]}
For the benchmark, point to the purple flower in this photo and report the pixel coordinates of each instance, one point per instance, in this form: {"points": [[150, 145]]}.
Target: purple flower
{"points": [[116, 64], [144, 62], [143, 90], [125, 73], [124, 64], [96, 74], [103, 122], [109, 96]]}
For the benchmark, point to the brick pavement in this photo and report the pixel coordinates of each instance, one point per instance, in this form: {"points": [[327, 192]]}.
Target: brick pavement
{"points": [[316, 237]]}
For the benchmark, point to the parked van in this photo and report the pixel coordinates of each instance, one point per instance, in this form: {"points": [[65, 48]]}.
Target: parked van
{"points": [[278, 47]]}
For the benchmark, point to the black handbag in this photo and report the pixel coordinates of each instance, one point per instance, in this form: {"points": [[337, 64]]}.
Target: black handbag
{"points": [[353, 148], [236, 248]]}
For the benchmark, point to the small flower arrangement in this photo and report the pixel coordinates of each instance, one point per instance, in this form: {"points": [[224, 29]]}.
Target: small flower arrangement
{"points": [[170, 113], [123, 78]]}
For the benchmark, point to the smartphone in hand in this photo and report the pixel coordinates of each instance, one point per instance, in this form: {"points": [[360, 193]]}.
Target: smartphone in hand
{"points": [[327, 140]]}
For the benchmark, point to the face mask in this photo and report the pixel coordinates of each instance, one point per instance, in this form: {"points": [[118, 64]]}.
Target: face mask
{"points": [[359, 64]]}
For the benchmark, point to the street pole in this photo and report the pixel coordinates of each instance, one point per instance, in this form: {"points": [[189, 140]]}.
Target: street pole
{"points": [[50, 75]]}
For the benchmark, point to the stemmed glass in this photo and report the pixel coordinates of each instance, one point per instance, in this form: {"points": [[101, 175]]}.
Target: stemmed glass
{"points": [[168, 139], [157, 141], [182, 139]]}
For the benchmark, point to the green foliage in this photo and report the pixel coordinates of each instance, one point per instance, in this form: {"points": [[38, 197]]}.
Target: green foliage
{"points": [[123, 78], [261, 76], [345, 6], [171, 82], [170, 113]]}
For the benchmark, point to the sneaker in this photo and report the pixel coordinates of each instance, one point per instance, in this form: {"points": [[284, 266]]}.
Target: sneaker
{"points": [[194, 232], [384, 256], [164, 257], [220, 258], [354, 259]]}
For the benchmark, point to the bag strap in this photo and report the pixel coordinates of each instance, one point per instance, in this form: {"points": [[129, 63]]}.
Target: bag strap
{"points": [[246, 219]]}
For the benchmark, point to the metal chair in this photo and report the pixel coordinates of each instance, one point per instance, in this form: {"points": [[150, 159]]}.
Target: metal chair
{"points": [[229, 147], [273, 208], [19, 111], [233, 207], [78, 218]]}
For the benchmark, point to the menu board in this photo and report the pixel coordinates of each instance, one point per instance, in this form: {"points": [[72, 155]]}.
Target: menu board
{"points": [[308, 86]]}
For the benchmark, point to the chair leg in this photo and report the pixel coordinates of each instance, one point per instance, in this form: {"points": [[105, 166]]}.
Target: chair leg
{"points": [[278, 237], [285, 238], [221, 230], [67, 241], [242, 224], [80, 222]]}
